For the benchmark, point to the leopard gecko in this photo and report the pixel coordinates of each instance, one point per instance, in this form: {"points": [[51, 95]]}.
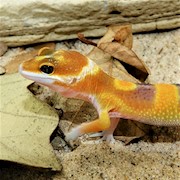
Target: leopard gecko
{"points": [[74, 75]]}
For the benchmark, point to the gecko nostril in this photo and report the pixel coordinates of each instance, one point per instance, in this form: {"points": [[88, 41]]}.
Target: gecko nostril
{"points": [[47, 69]]}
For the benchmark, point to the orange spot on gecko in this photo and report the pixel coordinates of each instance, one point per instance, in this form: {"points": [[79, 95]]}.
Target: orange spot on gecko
{"points": [[124, 85]]}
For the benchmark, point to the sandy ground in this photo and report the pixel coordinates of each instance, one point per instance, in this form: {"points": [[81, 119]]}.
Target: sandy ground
{"points": [[136, 161]]}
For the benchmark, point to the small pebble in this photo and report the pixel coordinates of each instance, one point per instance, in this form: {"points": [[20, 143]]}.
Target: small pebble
{"points": [[2, 70]]}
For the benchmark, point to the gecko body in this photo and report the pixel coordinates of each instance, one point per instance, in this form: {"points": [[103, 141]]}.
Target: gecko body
{"points": [[76, 76]]}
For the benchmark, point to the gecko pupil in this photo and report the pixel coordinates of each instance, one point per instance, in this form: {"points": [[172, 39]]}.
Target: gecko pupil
{"points": [[47, 69]]}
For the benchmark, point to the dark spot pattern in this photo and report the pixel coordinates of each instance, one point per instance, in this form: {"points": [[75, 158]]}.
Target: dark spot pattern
{"points": [[145, 92]]}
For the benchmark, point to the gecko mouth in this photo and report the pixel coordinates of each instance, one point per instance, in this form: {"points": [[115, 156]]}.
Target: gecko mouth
{"points": [[46, 78]]}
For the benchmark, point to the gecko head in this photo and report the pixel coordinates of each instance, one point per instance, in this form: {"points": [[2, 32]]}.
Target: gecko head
{"points": [[56, 67]]}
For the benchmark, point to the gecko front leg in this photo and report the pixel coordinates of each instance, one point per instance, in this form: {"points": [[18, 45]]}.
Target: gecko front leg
{"points": [[100, 124]]}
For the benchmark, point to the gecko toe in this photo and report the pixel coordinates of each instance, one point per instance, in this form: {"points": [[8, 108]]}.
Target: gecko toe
{"points": [[73, 134], [109, 138]]}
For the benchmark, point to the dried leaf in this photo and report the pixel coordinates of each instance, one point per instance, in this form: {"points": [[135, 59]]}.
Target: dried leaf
{"points": [[120, 72], [104, 60], [124, 54], [123, 35], [117, 43], [99, 56], [26, 125], [119, 33], [12, 66], [119, 65]]}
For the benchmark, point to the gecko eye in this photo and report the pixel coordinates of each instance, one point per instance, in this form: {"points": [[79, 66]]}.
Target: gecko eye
{"points": [[47, 69]]}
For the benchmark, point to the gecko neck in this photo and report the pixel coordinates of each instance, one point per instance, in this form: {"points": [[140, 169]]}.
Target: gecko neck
{"points": [[94, 82]]}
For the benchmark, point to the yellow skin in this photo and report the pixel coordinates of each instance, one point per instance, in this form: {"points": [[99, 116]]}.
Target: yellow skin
{"points": [[74, 75]]}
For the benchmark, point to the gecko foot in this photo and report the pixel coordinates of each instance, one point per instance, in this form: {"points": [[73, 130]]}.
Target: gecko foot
{"points": [[109, 138], [73, 134], [105, 137]]}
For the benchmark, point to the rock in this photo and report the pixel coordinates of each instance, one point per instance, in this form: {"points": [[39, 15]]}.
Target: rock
{"points": [[160, 53], [28, 21], [2, 70], [3, 48]]}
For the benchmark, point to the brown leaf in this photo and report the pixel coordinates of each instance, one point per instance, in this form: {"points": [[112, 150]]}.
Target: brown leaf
{"points": [[124, 36], [117, 43], [124, 54], [112, 67], [121, 73], [119, 33], [99, 56], [12, 66]]}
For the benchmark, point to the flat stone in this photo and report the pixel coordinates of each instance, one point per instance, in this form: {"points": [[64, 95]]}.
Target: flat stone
{"points": [[3, 48], [2, 70], [29, 21]]}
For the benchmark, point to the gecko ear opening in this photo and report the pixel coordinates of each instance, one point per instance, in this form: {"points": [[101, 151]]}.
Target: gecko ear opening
{"points": [[45, 51]]}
